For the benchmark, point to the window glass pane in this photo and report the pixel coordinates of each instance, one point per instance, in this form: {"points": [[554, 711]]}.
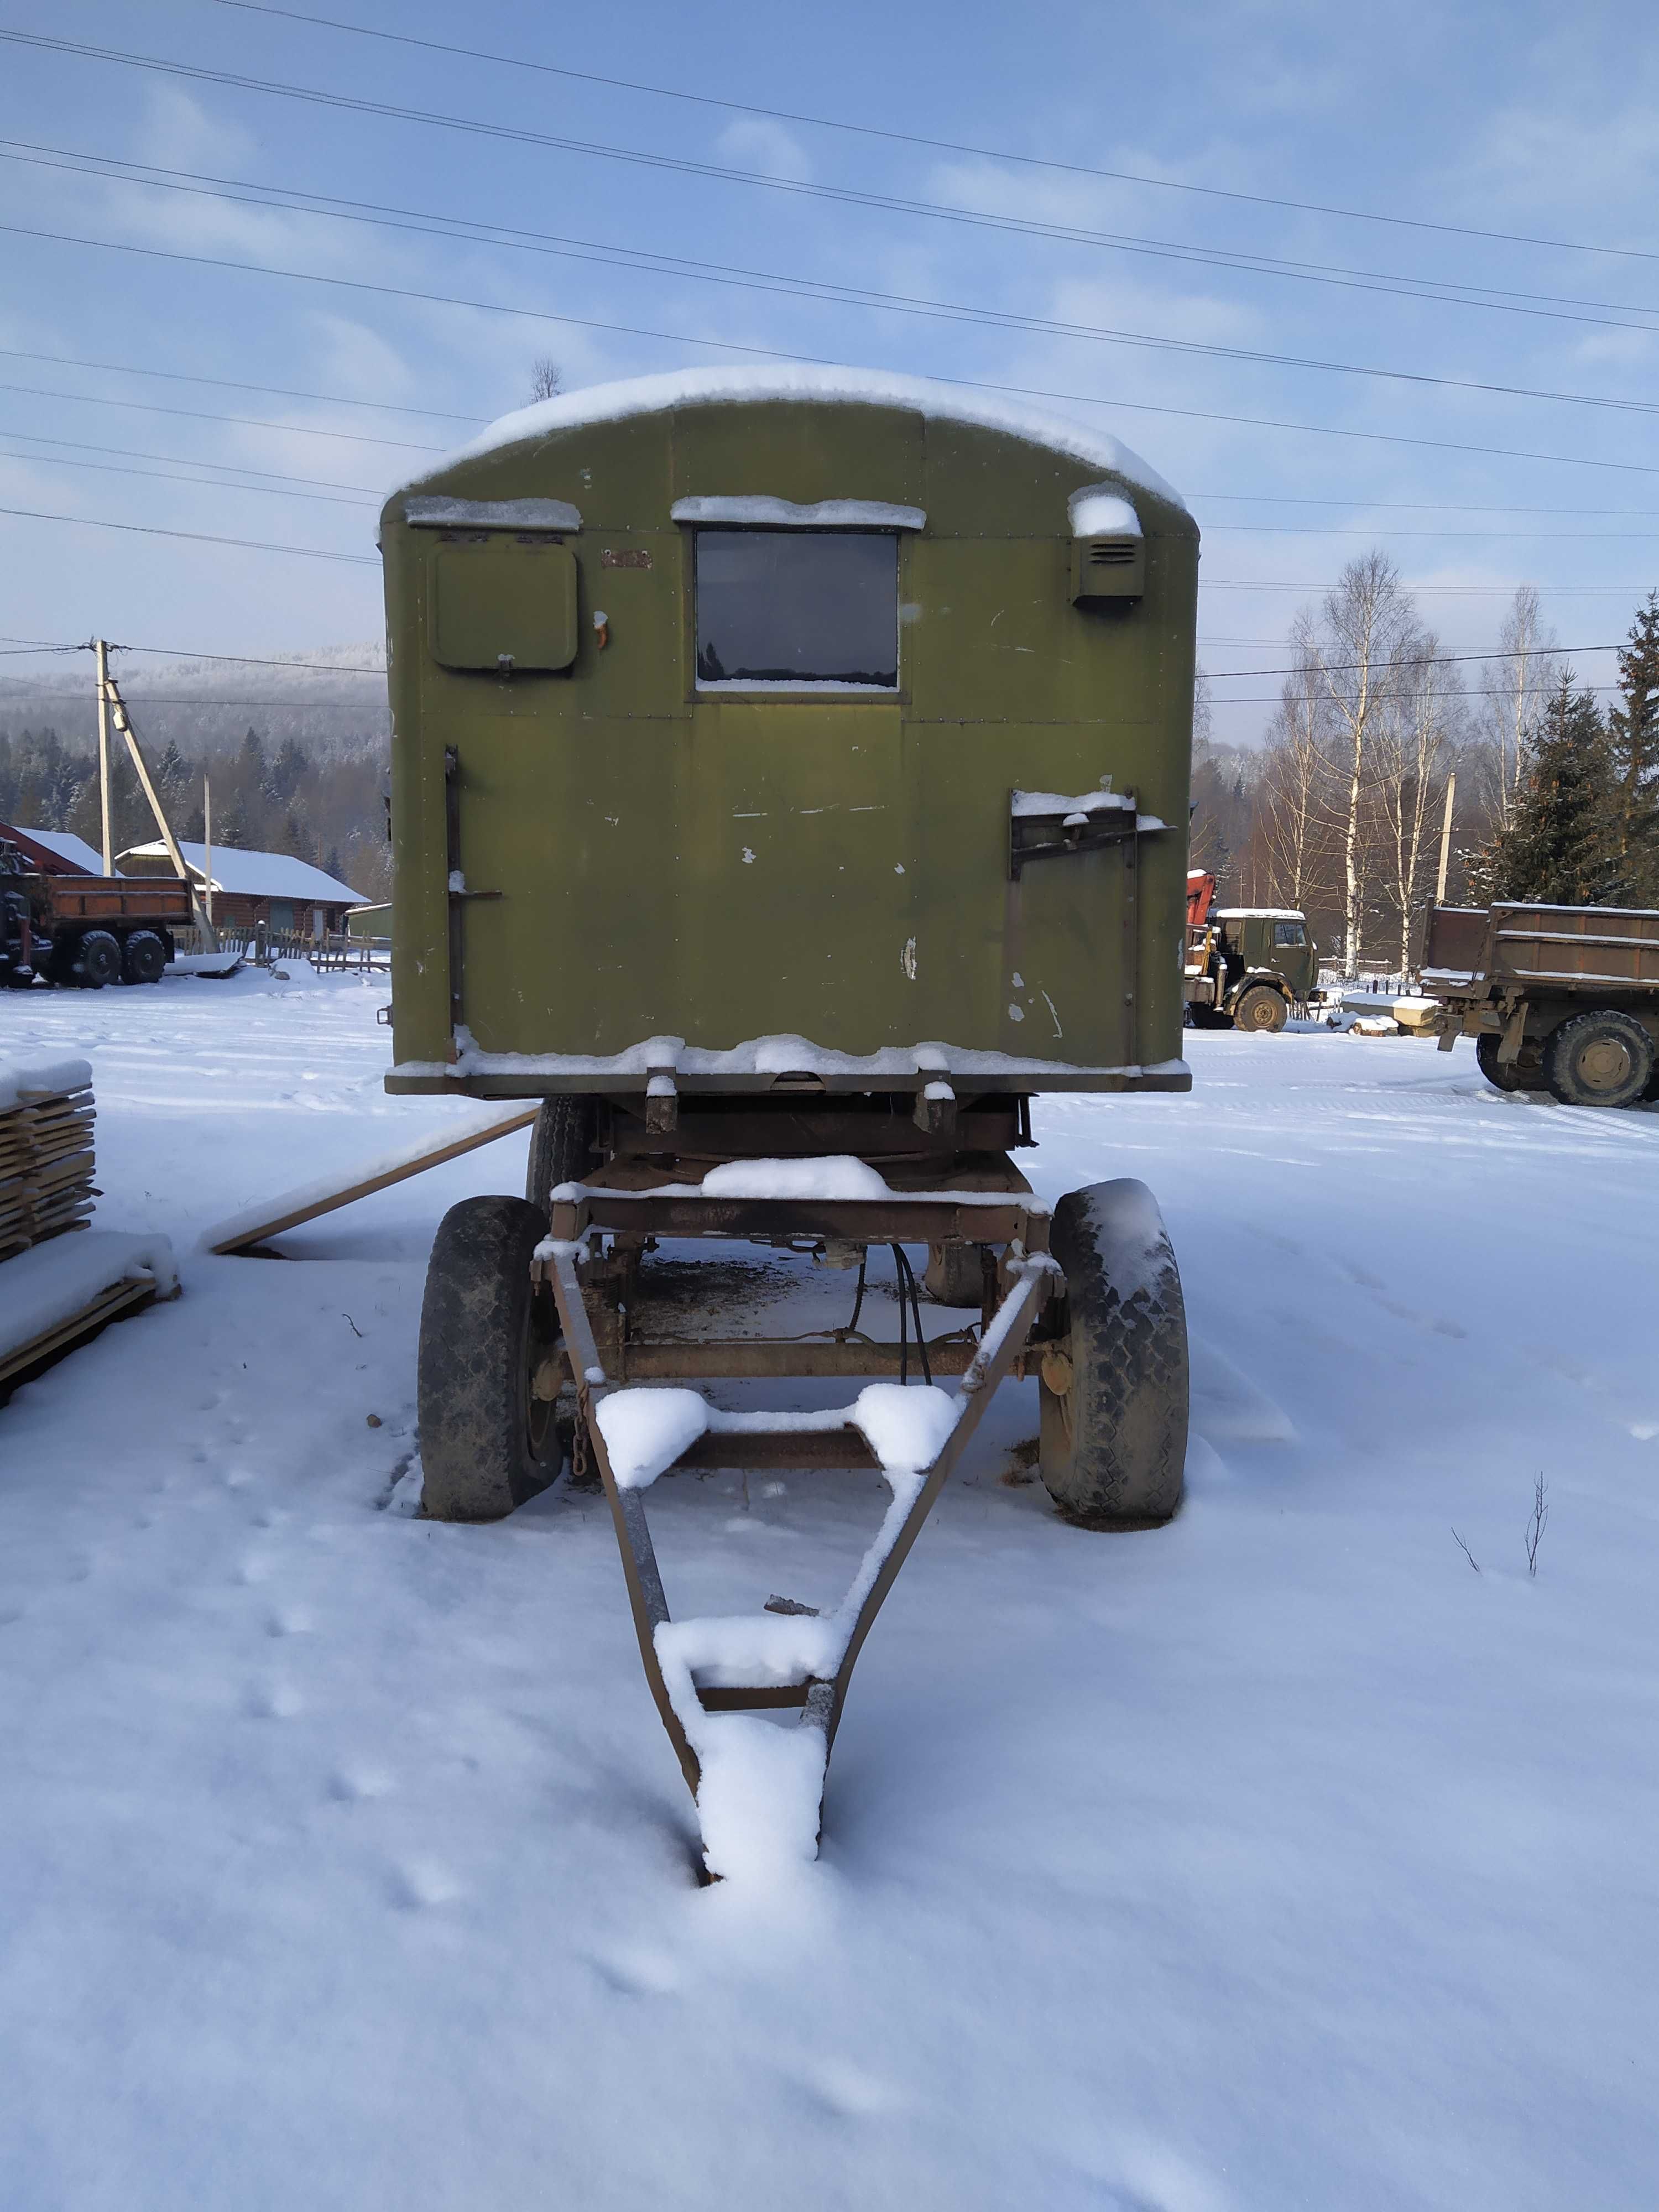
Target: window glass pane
{"points": [[1288, 933], [796, 606]]}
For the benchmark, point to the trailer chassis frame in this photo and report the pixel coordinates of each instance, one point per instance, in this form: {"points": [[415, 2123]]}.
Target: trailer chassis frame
{"points": [[1026, 1278]]}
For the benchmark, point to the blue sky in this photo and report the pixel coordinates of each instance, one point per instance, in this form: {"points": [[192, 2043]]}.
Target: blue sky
{"points": [[1520, 118]]}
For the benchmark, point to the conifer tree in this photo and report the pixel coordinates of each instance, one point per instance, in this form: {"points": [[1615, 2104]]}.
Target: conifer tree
{"points": [[1633, 742], [1559, 847]]}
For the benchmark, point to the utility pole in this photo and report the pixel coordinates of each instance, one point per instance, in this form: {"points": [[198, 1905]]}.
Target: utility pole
{"points": [[102, 651], [207, 845], [1445, 839], [124, 729]]}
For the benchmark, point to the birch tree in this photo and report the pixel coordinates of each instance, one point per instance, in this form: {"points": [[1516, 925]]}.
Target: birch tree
{"points": [[1352, 650], [1413, 751], [1292, 810], [1518, 684]]}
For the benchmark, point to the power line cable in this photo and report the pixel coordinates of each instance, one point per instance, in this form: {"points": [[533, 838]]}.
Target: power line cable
{"points": [[241, 422], [775, 353], [195, 537], [184, 652], [184, 460], [242, 191], [277, 485], [226, 384], [1143, 340], [342, 399], [937, 145], [176, 475]]}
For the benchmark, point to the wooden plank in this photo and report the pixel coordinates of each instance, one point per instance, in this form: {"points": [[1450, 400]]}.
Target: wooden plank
{"points": [[123, 1298], [285, 1214]]}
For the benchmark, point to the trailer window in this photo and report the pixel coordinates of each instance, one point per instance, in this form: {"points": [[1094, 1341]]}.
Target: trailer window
{"points": [[786, 607], [1289, 933]]}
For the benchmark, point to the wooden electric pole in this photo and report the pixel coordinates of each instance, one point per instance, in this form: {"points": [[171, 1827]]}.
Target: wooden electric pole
{"points": [[102, 651], [1445, 839]]}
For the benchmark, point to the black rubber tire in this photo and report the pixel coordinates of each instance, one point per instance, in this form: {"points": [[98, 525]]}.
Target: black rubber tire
{"points": [[144, 956], [1602, 1058], [1525, 1073], [486, 1444], [1261, 1009], [1112, 1439], [96, 959], [561, 1147], [956, 1275]]}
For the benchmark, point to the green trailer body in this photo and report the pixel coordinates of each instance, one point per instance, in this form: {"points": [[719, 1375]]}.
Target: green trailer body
{"points": [[616, 858]]}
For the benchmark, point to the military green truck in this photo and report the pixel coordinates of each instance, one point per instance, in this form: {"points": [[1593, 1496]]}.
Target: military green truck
{"points": [[1246, 967], [789, 784]]}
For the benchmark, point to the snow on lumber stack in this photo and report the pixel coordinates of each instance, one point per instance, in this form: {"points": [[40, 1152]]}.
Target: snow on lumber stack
{"points": [[60, 1291], [45, 1150]]}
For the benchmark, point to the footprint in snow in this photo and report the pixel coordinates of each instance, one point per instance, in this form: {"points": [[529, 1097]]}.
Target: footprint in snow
{"points": [[637, 1971], [849, 2091], [291, 1621]]}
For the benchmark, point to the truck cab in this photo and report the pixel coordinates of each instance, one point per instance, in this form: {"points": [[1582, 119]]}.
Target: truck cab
{"points": [[1246, 966]]}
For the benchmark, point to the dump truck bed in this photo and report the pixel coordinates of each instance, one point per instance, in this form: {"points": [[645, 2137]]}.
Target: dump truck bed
{"points": [[117, 898], [1476, 953]]}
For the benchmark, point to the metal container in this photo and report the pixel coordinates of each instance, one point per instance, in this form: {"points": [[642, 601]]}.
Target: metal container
{"points": [[821, 729]]}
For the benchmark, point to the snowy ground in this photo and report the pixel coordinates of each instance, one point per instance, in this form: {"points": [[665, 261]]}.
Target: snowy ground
{"points": [[1274, 1859]]}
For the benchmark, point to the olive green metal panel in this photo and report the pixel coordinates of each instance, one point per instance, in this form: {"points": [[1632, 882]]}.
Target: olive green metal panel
{"points": [[502, 601], [795, 450], [721, 867]]}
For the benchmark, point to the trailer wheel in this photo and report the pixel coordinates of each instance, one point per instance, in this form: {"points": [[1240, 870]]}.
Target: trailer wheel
{"points": [[1260, 1007], [561, 1147], [1113, 1392], [144, 956], [487, 1442], [1603, 1058], [96, 959], [1525, 1073]]}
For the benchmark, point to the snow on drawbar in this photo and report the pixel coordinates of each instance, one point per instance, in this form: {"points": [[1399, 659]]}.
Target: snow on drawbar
{"points": [[761, 1784]]}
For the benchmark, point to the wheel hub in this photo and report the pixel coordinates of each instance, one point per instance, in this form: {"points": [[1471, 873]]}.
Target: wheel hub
{"points": [[1604, 1064]]}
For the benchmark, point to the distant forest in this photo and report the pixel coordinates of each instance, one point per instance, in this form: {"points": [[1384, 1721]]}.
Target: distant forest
{"points": [[314, 791]]}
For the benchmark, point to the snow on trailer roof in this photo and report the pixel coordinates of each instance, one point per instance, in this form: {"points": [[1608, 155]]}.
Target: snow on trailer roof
{"points": [[67, 846], [257, 875], [868, 387]]}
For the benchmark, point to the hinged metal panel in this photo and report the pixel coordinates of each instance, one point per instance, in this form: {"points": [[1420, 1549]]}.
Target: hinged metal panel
{"points": [[504, 604]]}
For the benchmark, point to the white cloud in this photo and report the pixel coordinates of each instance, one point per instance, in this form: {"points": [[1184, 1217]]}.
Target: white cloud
{"points": [[755, 142]]}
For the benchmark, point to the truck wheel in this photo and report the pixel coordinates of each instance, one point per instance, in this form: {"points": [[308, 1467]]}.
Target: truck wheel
{"points": [[955, 1275], [1525, 1073], [1603, 1058], [96, 959], [1260, 1007], [144, 956], [561, 1147], [1113, 1393], [487, 1442]]}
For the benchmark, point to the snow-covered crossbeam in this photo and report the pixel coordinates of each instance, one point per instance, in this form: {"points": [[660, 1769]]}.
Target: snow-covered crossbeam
{"points": [[646, 1431]]}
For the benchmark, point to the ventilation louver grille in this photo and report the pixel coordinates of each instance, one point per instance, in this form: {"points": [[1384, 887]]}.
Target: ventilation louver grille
{"points": [[1112, 552]]}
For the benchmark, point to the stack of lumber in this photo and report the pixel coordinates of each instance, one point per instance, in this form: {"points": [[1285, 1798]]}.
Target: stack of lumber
{"points": [[46, 1117], [55, 1290]]}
